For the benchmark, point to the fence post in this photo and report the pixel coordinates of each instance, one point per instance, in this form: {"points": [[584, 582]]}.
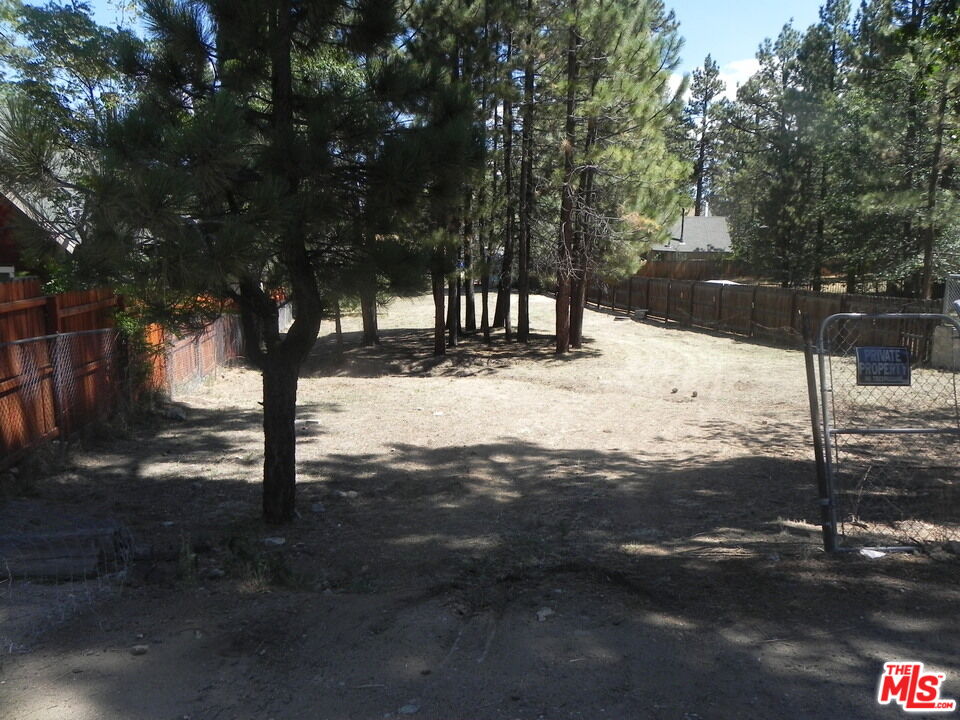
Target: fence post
{"points": [[753, 306], [53, 314], [666, 314], [693, 289], [613, 298], [57, 369], [719, 308], [793, 310], [630, 295], [827, 524]]}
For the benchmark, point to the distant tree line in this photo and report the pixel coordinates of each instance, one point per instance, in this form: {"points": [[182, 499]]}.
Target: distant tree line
{"points": [[841, 151]]}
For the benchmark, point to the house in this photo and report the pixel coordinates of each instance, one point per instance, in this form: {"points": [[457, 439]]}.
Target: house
{"points": [[695, 237], [9, 250], [21, 226]]}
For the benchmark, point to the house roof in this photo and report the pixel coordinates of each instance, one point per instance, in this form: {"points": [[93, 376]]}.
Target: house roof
{"points": [[42, 215], [698, 234]]}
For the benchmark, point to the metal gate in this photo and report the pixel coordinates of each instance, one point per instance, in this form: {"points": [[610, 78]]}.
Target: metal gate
{"points": [[888, 431]]}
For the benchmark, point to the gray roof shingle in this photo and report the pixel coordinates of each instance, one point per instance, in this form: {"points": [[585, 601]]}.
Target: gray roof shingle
{"points": [[700, 234]]}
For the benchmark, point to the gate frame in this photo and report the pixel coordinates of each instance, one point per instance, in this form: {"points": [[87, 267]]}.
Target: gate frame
{"points": [[828, 490]]}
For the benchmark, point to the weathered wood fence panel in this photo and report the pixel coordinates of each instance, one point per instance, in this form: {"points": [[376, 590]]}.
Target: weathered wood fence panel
{"points": [[752, 310]]}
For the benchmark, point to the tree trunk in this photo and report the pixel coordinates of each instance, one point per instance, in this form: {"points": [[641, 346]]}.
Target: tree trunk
{"points": [[252, 335], [453, 313], [439, 325], [930, 233], [818, 252], [468, 292], [338, 326], [563, 314], [368, 313], [279, 457], [282, 358], [526, 191], [578, 298], [501, 315], [566, 239], [485, 303], [698, 171], [579, 252]]}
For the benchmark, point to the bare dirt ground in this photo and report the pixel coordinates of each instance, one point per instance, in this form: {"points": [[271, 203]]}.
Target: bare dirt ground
{"points": [[625, 533]]}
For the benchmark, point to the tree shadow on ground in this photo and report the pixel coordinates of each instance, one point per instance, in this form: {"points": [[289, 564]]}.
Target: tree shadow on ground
{"points": [[409, 352], [675, 588]]}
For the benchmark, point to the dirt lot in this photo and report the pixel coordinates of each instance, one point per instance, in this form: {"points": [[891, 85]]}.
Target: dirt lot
{"points": [[627, 533]]}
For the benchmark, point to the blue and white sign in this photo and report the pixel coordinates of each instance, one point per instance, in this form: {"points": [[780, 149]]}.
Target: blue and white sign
{"points": [[883, 366]]}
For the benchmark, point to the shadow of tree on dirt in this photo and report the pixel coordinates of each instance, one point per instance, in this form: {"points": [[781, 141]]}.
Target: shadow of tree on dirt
{"points": [[409, 351], [675, 589]]}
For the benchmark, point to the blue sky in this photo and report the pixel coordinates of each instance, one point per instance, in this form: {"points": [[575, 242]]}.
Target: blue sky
{"points": [[732, 31]]}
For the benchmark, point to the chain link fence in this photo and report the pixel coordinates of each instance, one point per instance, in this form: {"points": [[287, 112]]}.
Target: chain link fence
{"points": [[53, 566], [193, 358], [53, 385], [891, 428], [951, 294]]}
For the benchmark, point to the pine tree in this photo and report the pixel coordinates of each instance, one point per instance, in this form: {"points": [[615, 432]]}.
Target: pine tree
{"points": [[619, 179], [264, 152], [701, 113]]}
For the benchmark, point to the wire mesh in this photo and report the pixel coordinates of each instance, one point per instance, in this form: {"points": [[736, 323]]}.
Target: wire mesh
{"points": [[893, 449], [52, 386], [951, 294], [193, 358]]}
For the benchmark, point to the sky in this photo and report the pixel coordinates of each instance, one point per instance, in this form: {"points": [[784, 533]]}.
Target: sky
{"points": [[731, 30]]}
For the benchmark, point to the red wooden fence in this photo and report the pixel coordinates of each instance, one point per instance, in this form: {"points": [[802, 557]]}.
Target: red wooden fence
{"points": [[188, 359], [59, 362]]}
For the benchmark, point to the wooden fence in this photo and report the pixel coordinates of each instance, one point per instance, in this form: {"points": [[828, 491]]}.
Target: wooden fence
{"points": [[187, 360], [770, 313], [62, 363], [59, 361]]}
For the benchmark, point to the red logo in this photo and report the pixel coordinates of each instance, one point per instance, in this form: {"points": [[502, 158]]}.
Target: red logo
{"points": [[905, 683]]}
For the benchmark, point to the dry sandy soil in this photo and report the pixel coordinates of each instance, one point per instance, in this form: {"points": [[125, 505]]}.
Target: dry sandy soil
{"points": [[625, 533]]}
